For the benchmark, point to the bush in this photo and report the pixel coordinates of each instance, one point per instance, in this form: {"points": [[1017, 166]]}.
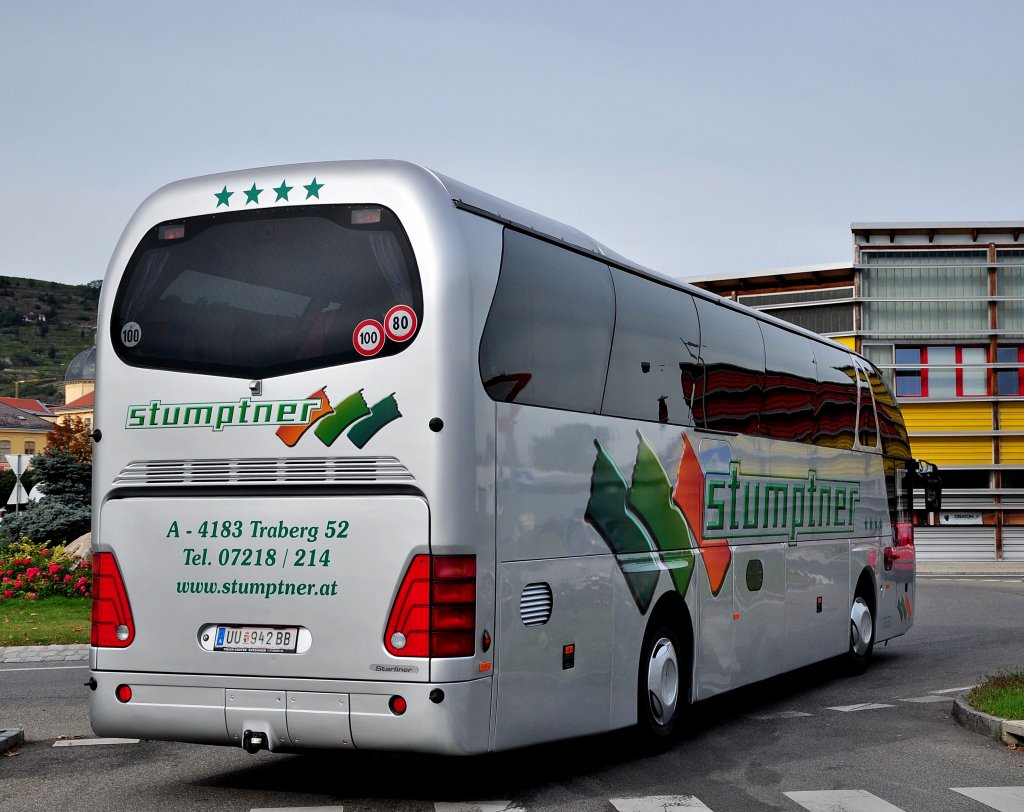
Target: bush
{"points": [[51, 519], [34, 571]]}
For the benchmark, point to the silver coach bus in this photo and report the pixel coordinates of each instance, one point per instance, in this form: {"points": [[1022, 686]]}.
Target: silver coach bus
{"points": [[384, 462]]}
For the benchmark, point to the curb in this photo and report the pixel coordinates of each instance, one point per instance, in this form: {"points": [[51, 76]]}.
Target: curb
{"points": [[992, 727], [11, 737], [56, 653]]}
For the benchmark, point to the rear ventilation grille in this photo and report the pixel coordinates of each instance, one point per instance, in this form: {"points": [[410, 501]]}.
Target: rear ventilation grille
{"points": [[535, 604], [270, 470]]}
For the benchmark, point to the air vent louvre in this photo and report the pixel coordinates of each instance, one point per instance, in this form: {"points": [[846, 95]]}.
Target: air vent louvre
{"points": [[535, 604], [265, 470]]}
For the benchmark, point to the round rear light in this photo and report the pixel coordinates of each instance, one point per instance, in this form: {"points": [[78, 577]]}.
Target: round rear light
{"points": [[398, 705], [122, 632], [123, 693]]}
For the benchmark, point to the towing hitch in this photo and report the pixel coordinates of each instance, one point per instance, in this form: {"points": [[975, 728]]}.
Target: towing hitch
{"points": [[253, 741]]}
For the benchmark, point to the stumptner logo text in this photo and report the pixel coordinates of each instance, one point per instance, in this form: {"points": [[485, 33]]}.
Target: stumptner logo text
{"points": [[217, 416], [741, 504]]}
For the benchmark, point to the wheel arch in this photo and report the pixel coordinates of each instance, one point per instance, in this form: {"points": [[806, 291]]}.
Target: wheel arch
{"points": [[671, 609]]}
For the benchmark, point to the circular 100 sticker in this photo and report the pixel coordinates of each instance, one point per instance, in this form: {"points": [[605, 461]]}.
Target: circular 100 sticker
{"points": [[400, 323], [131, 334], [368, 337]]}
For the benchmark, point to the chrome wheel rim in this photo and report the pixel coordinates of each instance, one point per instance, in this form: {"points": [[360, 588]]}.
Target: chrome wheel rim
{"points": [[860, 627], [663, 681]]}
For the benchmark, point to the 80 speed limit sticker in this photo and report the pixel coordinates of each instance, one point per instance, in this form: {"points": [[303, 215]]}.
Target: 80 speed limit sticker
{"points": [[368, 337], [400, 323]]}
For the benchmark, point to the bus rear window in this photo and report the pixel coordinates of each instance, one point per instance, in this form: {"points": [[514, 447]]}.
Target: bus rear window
{"points": [[253, 295]]}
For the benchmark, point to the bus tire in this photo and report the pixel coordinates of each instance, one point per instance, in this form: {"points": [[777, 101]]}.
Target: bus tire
{"points": [[663, 682], [862, 634]]}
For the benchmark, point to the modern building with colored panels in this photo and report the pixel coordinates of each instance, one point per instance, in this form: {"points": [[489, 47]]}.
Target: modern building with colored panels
{"points": [[939, 308]]}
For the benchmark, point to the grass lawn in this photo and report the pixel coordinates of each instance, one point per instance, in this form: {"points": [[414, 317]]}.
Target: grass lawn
{"points": [[42, 623], [1000, 695]]}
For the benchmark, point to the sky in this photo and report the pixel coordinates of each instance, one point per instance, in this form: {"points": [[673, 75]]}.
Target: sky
{"points": [[695, 138]]}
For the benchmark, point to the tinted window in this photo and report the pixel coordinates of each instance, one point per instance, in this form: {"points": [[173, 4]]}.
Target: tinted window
{"points": [[836, 418], [890, 421], [654, 353], [549, 330], [255, 294], [728, 395], [867, 434], [790, 385]]}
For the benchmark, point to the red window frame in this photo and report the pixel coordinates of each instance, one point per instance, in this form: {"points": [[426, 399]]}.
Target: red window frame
{"points": [[959, 371]]}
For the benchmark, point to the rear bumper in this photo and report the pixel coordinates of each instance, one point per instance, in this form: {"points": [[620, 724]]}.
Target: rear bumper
{"points": [[294, 714]]}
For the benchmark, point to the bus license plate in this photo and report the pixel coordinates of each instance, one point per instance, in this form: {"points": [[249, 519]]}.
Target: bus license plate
{"points": [[256, 638]]}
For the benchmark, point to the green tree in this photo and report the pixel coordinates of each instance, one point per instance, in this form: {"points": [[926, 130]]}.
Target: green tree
{"points": [[64, 475]]}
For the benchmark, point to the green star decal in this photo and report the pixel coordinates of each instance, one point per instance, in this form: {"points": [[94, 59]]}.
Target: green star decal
{"points": [[252, 195], [222, 197], [282, 191], [313, 189]]}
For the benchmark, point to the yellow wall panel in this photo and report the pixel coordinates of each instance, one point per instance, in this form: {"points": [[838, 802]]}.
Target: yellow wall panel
{"points": [[953, 452], [846, 341], [1011, 416], [969, 416], [1011, 450]]}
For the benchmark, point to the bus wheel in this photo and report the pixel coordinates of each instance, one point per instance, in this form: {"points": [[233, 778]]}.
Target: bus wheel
{"points": [[660, 687], [862, 635]]}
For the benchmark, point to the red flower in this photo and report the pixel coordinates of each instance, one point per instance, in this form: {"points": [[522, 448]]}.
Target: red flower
{"points": [[66, 578], [44, 552], [8, 593], [53, 568]]}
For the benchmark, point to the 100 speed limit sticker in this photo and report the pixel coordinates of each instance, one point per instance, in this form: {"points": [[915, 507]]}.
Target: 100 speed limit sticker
{"points": [[368, 337], [399, 325]]}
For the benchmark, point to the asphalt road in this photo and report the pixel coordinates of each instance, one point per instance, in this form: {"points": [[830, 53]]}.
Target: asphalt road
{"points": [[741, 752]]}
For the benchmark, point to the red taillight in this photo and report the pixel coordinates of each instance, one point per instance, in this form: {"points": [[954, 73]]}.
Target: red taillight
{"points": [[112, 624], [123, 693], [434, 613], [904, 534]]}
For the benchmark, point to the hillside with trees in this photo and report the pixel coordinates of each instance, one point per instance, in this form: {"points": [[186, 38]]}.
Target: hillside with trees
{"points": [[43, 326]]}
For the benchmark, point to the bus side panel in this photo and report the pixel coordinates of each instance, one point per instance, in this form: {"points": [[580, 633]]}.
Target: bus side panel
{"points": [[571, 503], [554, 678]]}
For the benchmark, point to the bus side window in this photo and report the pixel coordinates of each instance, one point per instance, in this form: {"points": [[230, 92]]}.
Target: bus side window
{"points": [[549, 330], [895, 442], [791, 385], [867, 431], [732, 355], [655, 348], [836, 416]]}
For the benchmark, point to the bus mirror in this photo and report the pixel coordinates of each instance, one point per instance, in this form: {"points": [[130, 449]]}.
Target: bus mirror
{"points": [[933, 492]]}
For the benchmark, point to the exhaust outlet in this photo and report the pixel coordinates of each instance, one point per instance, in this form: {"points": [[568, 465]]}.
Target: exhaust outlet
{"points": [[253, 741]]}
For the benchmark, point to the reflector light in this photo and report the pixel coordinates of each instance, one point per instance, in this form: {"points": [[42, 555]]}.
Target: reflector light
{"points": [[112, 624], [123, 693], [398, 705], [904, 534], [434, 612]]}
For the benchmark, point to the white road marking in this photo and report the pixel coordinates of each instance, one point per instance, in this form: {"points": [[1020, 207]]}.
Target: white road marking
{"points": [[475, 806], [658, 803], [780, 715], [953, 690], [1003, 799], [863, 706], [842, 800], [85, 742], [297, 809], [929, 698], [42, 668]]}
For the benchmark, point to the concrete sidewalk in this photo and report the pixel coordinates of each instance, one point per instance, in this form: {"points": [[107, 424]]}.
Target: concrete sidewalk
{"points": [[1002, 569]]}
